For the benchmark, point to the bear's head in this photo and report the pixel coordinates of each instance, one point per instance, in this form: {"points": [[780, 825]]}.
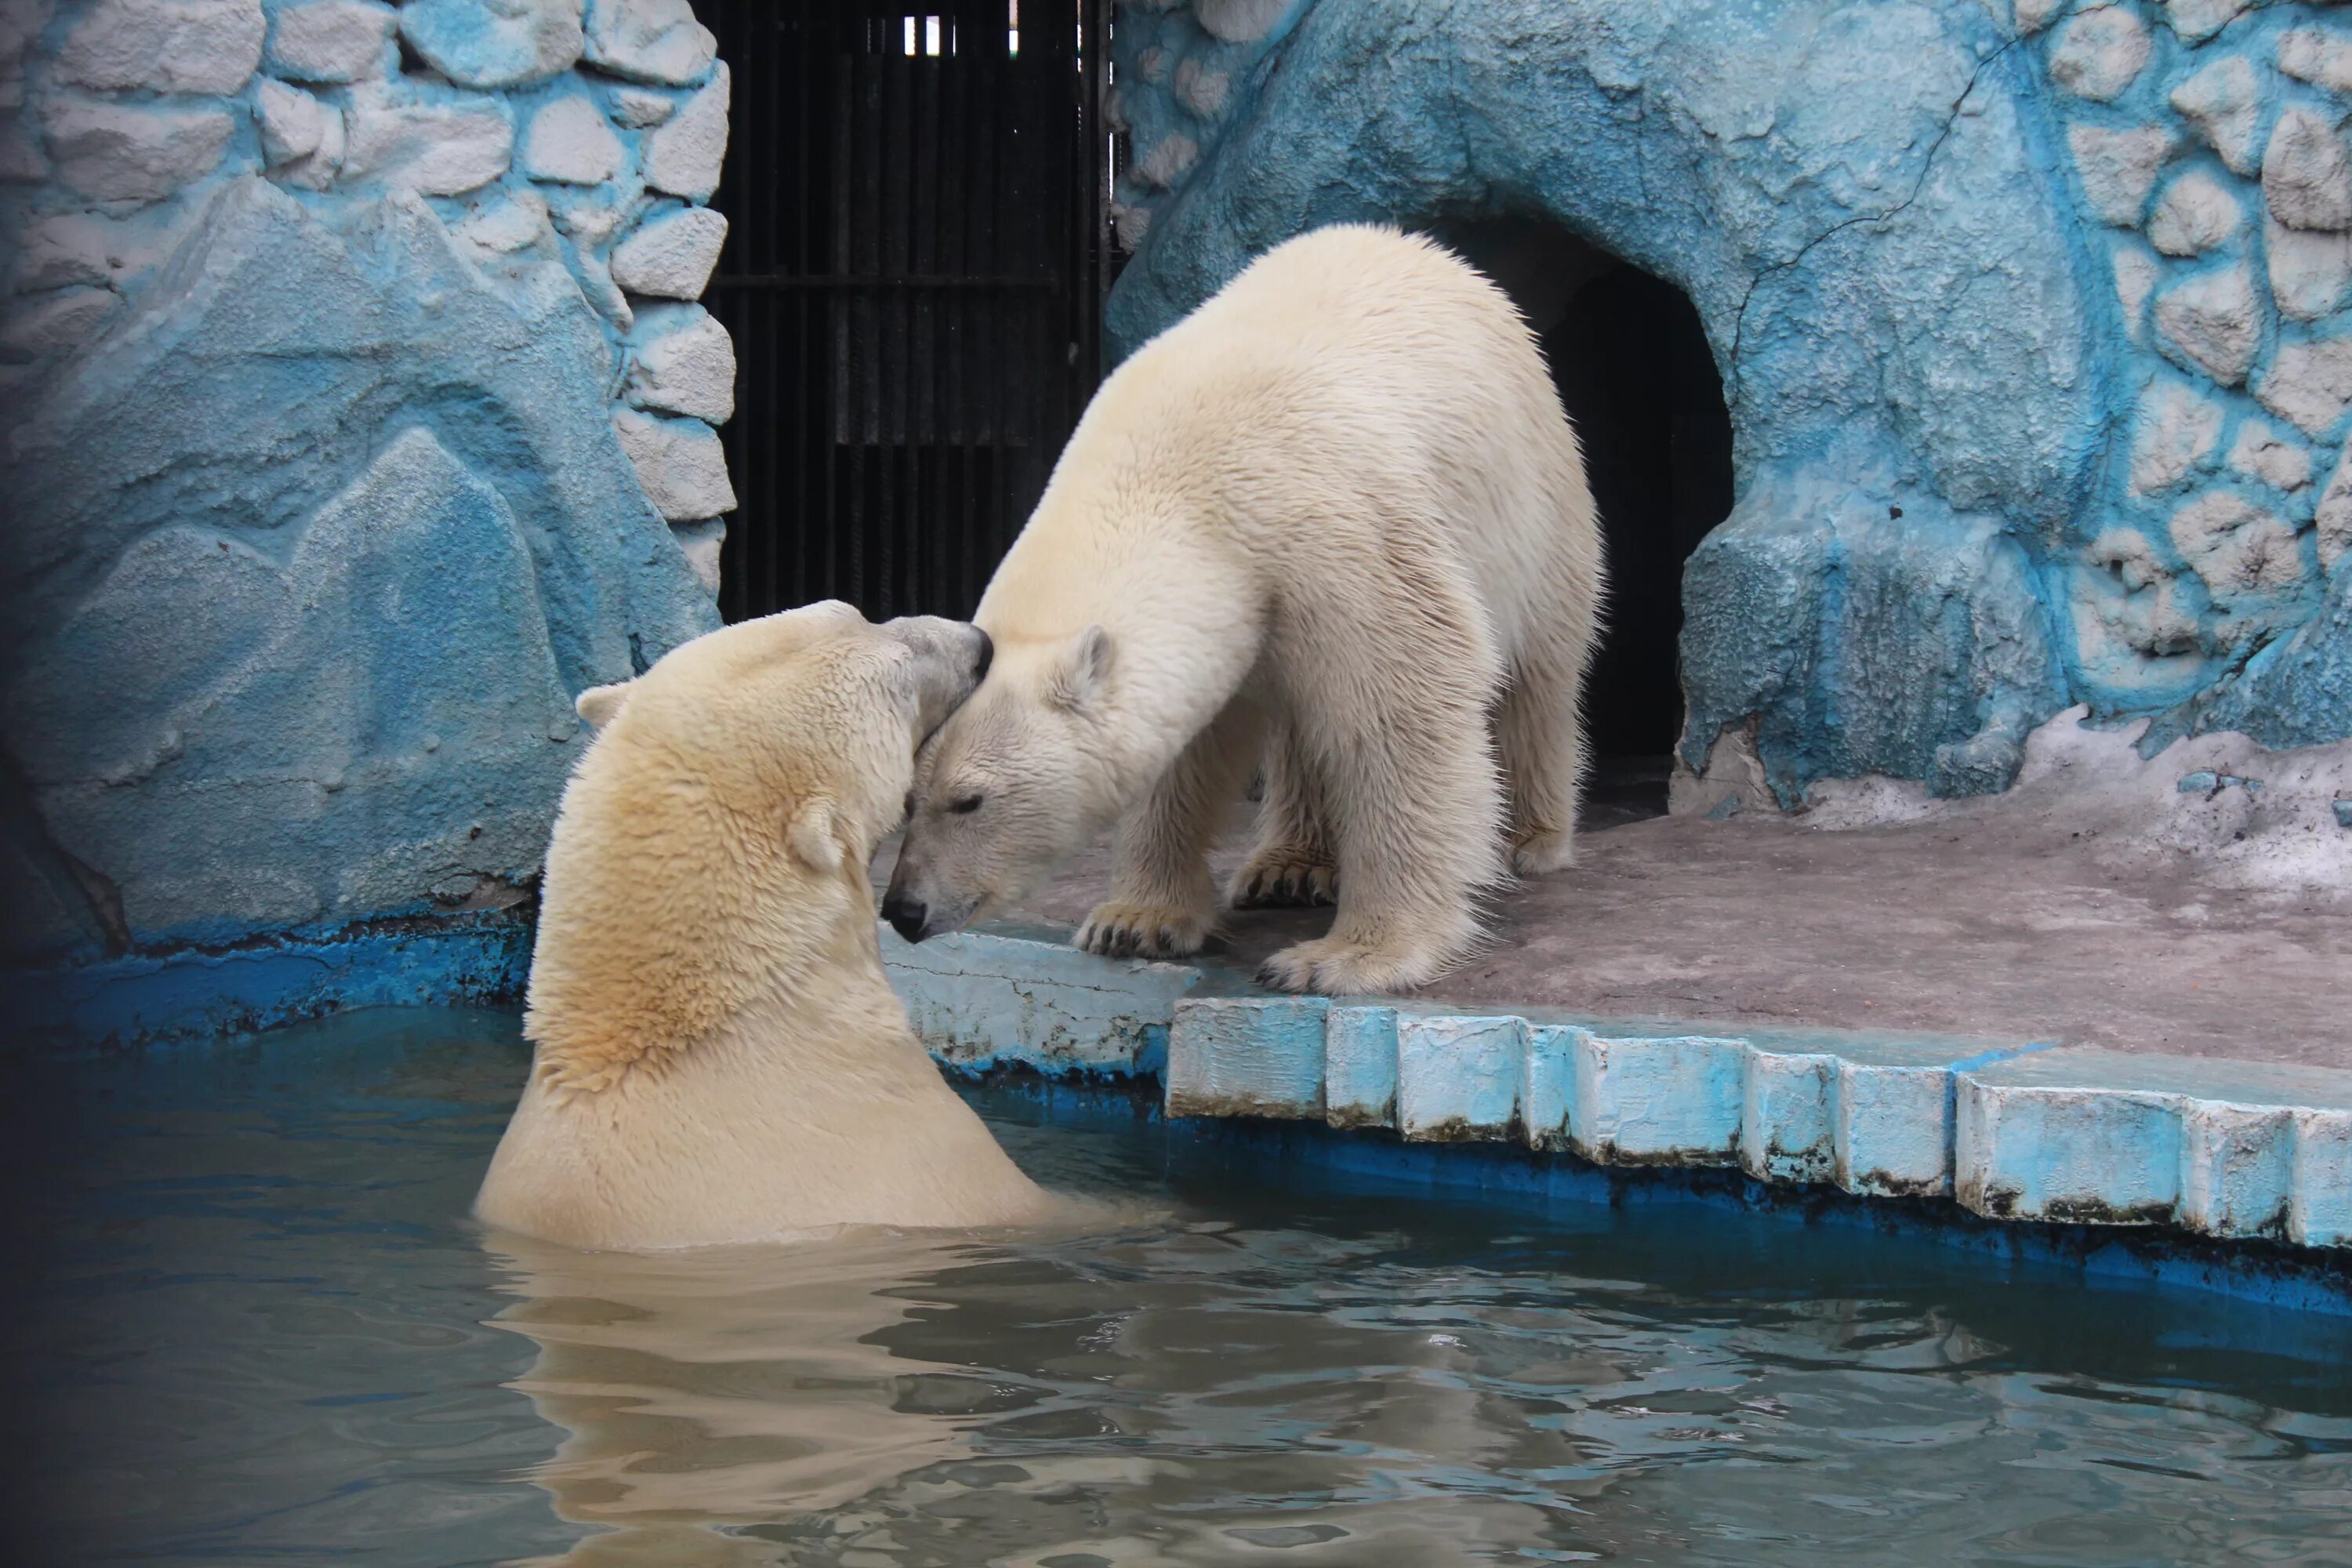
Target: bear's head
{"points": [[1017, 779], [712, 846]]}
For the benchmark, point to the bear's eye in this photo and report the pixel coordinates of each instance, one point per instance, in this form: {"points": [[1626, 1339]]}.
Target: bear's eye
{"points": [[965, 805]]}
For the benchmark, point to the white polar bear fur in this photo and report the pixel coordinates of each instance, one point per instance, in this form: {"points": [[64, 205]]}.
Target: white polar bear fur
{"points": [[719, 1055], [1335, 519]]}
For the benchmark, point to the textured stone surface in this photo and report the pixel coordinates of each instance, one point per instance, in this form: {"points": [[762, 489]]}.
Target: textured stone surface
{"points": [[682, 362], [330, 40], [2237, 548], [53, 323], [2213, 322], [341, 678], [700, 543], [2117, 168], [2309, 384], [683, 157], [2310, 273], [494, 43], [670, 253], [2270, 456], [637, 109], [679, 463], [2197, 20], [2334, 520], [569, 141], [2174, 431], [2099, 52], [650, 40], [411, 137], [2196, 213], [2306, 176], [133, 152], [163, 46], [2321, 56], [2223, 102]]}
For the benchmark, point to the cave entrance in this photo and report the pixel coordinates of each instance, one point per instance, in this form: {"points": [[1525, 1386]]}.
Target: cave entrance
{"points": [[1632, 364]]}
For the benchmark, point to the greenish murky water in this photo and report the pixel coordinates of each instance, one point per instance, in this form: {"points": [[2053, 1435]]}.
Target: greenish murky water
{"points": [[253, 1326]]}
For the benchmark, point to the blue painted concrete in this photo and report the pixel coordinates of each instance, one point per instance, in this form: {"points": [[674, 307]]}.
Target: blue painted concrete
{"points": [[1943, 320]]}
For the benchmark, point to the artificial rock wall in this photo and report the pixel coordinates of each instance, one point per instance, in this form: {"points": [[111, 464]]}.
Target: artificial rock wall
{"points": [[359, 415], [2032, 321]]}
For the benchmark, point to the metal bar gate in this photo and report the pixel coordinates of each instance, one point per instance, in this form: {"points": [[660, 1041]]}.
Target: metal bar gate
{"points": [[916, 193]]}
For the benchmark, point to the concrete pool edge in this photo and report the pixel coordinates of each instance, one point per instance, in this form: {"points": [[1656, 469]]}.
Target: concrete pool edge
{"points": [[2224, 1150]]}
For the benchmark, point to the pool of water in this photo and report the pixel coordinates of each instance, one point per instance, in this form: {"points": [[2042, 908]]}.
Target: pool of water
{"points": [[255, 1327]]}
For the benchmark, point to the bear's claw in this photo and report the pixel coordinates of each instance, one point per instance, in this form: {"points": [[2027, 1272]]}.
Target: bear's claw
{"points": [[1273, 879], [1141, 931]]}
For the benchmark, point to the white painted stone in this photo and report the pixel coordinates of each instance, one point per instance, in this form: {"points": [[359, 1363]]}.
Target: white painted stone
{"points": [[2117, 168], [701, 542], [439, 149], [494, 43], [330, 40], [638, 109], [517, 223], [1151, 65], [2306, 176], [679, 462], [55, 324], [2136, 272], [2334, 520], [1240, 21], [1202, 88], [670, 257], [163, 46], [649, 40], [2215, 320], [22, 161], [2261, 451], [130, 151], [2099, 52], [1170, 159], [291, 122], [2310, 272], [2197, 20], [570, 142], [2032, 16], [594, 277], [682, 361], [2320, 56], [66, 250], [2223, 102], [317, 171], [2309, 384], [590, 223], [2196, 213], [2235, 546], [683, 157], [2176, 430]]}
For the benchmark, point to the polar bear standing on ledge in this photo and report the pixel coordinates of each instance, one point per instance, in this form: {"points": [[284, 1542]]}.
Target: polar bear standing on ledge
{"points": [[1334, 518], [719, 1056]]}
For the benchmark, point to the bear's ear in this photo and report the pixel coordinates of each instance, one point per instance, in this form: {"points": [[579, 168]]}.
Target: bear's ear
{"points": [[1081, 670], [600, 704], [809, 834]]}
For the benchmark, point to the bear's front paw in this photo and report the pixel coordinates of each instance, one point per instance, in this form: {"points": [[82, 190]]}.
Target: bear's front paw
{"points": [[1540, 853], [1284, 878], [1141, 931], [1331, 967]]}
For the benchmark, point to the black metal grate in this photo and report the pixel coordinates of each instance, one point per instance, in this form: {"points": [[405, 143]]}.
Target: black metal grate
{"points": [[913, 275]]}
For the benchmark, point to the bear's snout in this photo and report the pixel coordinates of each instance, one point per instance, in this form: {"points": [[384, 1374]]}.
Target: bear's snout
{"points": [[910, 918]]}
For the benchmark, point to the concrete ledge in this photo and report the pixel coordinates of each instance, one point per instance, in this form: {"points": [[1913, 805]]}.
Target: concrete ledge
{"points": [[2081, 1136]]}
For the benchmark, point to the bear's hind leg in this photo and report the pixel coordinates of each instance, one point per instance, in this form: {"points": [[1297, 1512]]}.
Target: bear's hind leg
{"points": [[1163, 902], [1293, 863], [1540, 731]]}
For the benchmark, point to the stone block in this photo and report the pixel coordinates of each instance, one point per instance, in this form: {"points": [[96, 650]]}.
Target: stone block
{"points": [[494, 43], [569, 143], [1788, 1121], [683, 157], [679, 463], [682, 361], [2099, 52], [2223, 102], [1458, 1077], [2262, 452], [700, 543], [1547, 1094], [2197, 20], [640, 109], [66, 249], [1660, 1101], [669, 256], [439, 144], [133, 152], [2306, 175], [2117, 168], [2235, 546], [42, 325], [978, 999], [2310, 272], [2214, 321], [291, 123], [2175, 430], [1360, 1066], [2309, 384], [2320, 56], [654, 41], [330, 40], [1227, 1056], [2196, 213], [2333, 523], [163, 46]]}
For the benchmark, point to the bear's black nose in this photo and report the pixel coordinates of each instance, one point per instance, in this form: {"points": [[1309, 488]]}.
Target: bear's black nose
{"points": [[987, 657], [907, 916]]}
